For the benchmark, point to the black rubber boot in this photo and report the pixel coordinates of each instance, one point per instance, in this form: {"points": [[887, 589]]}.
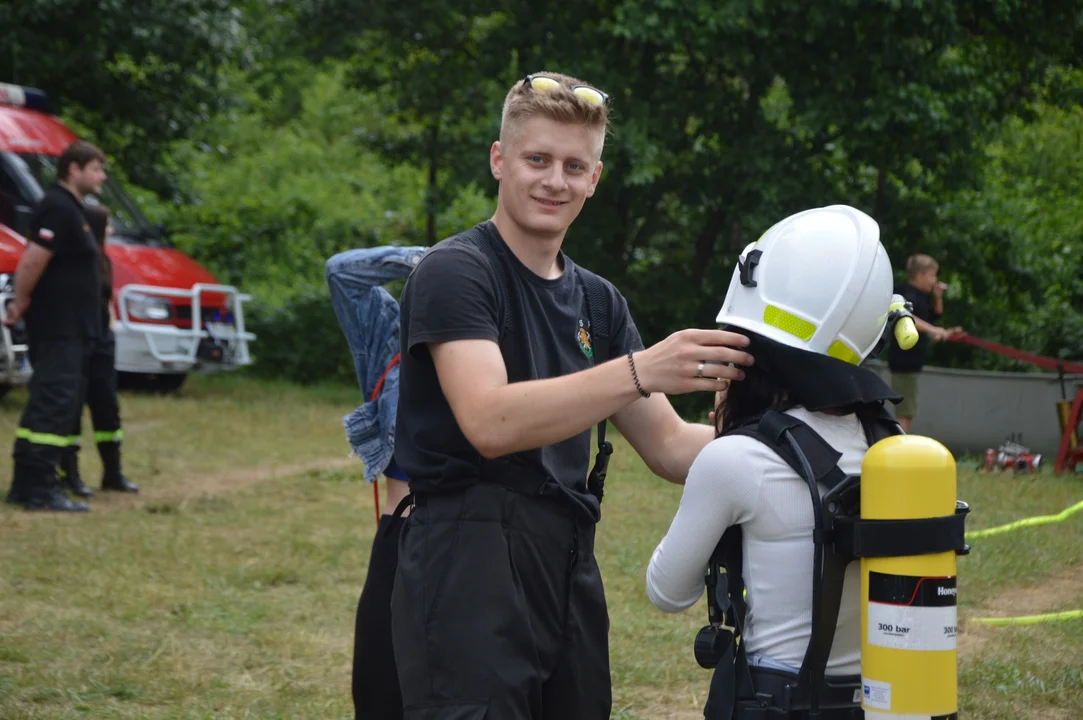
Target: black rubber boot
{"points": [[112, 478], [36, 492], [68, 474]]}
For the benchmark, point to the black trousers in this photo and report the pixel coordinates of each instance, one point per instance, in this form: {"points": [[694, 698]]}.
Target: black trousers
{"points": [[46, 427], [376, 694], [101, 391], [498, 611]]}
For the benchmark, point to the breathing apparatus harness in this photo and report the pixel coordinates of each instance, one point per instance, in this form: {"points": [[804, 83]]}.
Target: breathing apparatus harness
{"points": [[840, 536]]}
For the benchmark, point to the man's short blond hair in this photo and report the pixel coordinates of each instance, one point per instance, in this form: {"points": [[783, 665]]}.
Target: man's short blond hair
{"points": [[917, 264], [559, 104]]}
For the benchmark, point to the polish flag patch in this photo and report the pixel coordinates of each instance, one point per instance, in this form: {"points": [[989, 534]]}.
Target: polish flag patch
{"points": [[46, 234]]}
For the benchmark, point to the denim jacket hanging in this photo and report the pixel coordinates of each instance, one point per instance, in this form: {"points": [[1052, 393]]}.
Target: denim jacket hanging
{"points": [[369, 318]]}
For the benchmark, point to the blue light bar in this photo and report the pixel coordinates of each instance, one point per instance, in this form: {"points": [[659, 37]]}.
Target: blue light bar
{"points": [[27, 97]]}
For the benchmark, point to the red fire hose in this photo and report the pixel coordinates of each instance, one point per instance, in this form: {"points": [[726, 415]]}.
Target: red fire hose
{"points": [[1046, 363]]}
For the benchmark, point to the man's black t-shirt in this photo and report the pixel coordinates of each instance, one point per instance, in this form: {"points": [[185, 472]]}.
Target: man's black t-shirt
{"points": [[453, 294], [912, 360], [66, 302]]}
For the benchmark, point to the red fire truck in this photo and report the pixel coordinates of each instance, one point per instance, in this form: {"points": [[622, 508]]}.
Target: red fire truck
{"points": [[172, 316]]}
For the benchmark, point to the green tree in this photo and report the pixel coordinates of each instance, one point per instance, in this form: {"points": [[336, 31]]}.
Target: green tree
{"points": [[727, 116], [1014, 243], [271, 202], [137, 75]]}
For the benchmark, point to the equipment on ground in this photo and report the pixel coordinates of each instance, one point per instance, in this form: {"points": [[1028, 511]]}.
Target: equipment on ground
{"points": [[1012, 455], [1069, 413]]}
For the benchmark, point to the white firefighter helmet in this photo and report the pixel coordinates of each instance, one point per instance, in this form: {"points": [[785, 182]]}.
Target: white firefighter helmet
{"points": [[818, 281]]}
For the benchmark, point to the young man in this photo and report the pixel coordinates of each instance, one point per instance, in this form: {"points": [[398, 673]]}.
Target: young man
{"points": [[925, 291], [498, 609], [369, 319], [58, 289]]}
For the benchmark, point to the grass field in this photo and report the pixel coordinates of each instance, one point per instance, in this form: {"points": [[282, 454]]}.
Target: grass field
{"points": [[227, 588]]}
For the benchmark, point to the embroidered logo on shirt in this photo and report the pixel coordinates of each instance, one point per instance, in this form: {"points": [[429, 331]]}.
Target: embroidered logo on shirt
{"points": [[583, 338], [46, 234]]}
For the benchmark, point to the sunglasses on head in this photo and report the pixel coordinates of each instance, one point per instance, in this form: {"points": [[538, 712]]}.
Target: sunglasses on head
{"points": [[542, 83]]}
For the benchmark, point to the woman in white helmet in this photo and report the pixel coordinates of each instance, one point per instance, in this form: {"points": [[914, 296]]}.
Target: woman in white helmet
{"points": [[814, 295]]}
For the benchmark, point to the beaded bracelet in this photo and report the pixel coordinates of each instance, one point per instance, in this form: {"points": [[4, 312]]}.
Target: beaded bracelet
{"points": [[635, 376]]}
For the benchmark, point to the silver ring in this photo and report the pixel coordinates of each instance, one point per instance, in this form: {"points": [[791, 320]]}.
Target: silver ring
{"points": [[699, 370]]}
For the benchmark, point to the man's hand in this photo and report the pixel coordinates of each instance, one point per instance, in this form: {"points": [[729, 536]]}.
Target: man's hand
{"points": [[31, 265], [692, 360], [15, 310], [939, 288]]}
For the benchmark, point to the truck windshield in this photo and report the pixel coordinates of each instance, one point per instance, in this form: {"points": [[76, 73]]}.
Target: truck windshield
{"points": [[129, 225]]}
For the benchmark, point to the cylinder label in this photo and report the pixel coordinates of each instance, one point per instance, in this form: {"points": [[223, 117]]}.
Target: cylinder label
{"points": [[911, 612], [876, 694]]}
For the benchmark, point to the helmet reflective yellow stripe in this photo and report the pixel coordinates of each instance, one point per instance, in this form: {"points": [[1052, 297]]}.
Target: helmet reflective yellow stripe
{"points": [[839, 351], [788, 322], [798, 327]]}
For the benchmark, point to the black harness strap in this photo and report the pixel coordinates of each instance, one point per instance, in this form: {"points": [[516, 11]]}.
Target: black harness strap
{"points": [[598, 309], [817, 463], [718, 645]]}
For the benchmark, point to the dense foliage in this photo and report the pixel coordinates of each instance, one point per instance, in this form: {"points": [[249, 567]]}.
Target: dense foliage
{"points": [[277, 133]]}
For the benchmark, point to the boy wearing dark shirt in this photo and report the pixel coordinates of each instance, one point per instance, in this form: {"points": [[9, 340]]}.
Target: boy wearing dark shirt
{"points": [[924, 290], [498, 609]]}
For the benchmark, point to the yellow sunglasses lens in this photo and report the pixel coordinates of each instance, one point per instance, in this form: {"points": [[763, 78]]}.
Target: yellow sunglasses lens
{"points": [[590, 95], [544, 84]]}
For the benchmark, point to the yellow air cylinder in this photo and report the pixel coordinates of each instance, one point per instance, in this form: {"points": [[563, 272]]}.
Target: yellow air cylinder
{"points": [[908, 608]]}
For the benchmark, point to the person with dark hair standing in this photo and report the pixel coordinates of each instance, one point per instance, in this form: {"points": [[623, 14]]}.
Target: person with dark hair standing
{"points": [[58, 291], [101, 380], [814, 296]]}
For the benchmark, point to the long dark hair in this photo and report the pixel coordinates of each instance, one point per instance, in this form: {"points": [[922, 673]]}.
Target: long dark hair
{"points": [[759, 392], [97, 216]]}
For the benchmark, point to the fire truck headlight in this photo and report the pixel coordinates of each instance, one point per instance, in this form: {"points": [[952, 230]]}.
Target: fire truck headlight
{"points": [[143, 307]]}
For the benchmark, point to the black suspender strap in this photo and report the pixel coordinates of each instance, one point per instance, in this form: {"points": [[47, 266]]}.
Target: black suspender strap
{"points": [[597, 300]]}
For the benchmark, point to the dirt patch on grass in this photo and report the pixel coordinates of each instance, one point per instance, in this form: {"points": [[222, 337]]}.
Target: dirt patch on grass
{"points": [[1054, 714], [189, 488], [241, 478], [1047, 596]]}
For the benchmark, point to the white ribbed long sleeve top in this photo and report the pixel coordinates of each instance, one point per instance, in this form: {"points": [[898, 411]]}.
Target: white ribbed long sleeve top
{"points": [[738, 480]]}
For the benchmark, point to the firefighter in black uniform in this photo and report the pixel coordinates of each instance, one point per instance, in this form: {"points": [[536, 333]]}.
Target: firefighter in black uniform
{"points": [[101, 380], [58, 291]]}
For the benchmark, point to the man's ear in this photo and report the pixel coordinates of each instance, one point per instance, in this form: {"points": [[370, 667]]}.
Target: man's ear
{"points": [[496, 160], [595, 176]]}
